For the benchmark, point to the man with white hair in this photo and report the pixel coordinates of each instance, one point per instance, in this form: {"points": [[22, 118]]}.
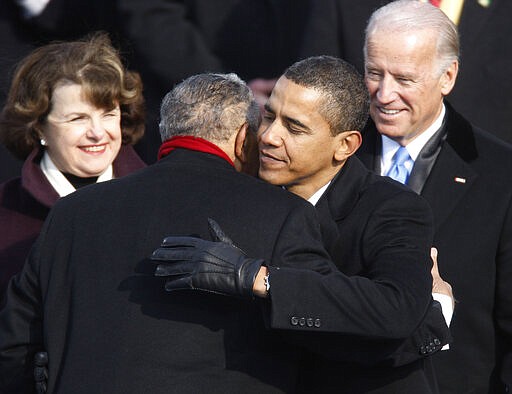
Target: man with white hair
{"points": [[411, 64], [336, 28]]}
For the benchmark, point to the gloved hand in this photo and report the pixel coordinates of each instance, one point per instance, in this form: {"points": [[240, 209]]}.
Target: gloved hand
{"points": [[213, 266]]}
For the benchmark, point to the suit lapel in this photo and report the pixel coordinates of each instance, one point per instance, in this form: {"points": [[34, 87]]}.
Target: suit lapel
{"points": [[426, 160], [342, 194], [370, 151], [451, 176], [450, 179]]}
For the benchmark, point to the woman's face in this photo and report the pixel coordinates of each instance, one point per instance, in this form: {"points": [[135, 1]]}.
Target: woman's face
{"points": [[81, 139]]}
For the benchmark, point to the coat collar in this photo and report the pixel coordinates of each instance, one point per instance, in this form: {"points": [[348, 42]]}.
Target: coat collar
{"points": [[340, 198], [452, 175], [34, 181], [343, 193], [190, 157], [459, 135]]}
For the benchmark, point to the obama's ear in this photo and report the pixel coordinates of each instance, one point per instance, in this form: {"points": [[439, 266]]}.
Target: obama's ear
{"points": [[348, 142]]}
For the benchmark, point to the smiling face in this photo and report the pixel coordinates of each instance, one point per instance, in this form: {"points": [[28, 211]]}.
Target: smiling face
{"points": [[406, 90], [81, 139], [297, 149]]}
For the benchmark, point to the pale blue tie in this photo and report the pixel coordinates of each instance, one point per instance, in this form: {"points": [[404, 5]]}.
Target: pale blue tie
{"points": [[398, 171]]}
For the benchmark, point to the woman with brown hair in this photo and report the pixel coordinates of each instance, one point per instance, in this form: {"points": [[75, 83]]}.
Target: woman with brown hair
{"points": [[72, 113]]}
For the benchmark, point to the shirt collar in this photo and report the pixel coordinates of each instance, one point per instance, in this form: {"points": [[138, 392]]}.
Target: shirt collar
{"points": [[59, 182], [318, 194]]}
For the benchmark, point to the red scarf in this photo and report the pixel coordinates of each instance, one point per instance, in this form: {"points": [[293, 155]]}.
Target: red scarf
{"points": [[191, 143]]}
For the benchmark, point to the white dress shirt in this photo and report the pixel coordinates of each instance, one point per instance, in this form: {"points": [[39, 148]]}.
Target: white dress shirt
{"points": [[389, 147]]}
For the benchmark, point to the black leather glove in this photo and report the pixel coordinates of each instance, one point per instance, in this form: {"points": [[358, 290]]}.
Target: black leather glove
{"points": [[41, 371], [214, 266]]}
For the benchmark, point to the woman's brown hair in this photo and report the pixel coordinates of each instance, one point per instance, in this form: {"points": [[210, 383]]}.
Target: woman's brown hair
{"points": [[92, 63]]}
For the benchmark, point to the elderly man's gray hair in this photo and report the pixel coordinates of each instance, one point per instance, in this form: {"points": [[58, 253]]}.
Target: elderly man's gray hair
{"points": [[210, 106]]}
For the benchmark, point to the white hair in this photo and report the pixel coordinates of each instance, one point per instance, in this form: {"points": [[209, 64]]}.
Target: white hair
{"points": [[210, 106], [403, 16]]}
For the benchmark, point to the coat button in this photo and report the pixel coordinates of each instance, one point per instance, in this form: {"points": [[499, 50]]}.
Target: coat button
{"points": [[318, 323], [437, 342], [294, 320], [423, 350], [302, 321], [309, 322]]}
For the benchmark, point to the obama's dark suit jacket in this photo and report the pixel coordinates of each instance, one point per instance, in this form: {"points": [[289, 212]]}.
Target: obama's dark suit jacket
{"points": [[379, 234], [466, 176]]}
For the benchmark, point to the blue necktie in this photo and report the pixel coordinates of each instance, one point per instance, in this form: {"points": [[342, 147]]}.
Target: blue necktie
{"points": [[398, 171]]}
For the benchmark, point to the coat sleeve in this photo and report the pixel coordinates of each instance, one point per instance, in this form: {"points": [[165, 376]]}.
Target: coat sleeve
{"points": [[21, 328], [381, 307], [503, 310], [300, 243]]}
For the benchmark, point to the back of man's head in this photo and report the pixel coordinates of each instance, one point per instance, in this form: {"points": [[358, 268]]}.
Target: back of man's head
{"points": [[210, 106], [345, 104], [405, 16]]}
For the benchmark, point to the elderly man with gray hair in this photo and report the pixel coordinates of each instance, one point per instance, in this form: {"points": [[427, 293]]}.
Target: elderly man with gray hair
{"points": [[417, 137]]}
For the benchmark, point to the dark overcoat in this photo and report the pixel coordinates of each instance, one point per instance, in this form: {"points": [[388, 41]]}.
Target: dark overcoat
{"points": [[87, 294], [469, 188], [379, 234]]}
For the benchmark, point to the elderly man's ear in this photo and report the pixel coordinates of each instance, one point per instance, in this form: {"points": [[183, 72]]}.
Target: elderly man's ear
{"points": [[347, 143], [246, 151], [448, 78]]}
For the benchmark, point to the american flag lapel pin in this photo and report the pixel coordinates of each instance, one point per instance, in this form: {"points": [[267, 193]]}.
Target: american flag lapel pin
{"points": [[460, 180]]}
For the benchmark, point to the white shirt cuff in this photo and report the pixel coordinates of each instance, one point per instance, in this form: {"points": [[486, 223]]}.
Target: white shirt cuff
{"points": [[447, 308]]}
